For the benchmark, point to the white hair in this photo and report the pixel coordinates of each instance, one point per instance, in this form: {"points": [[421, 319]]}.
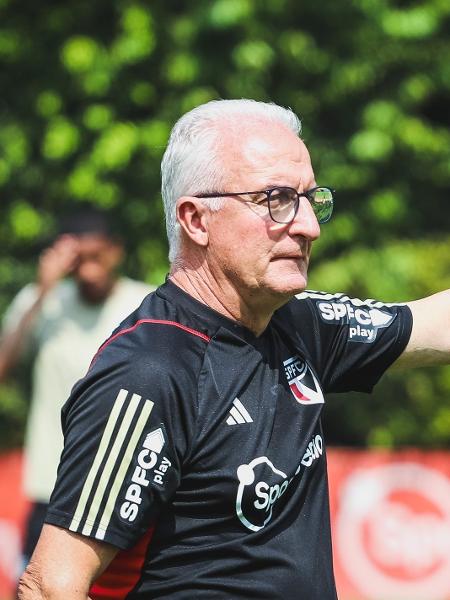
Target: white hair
{"points": [[192, 162]]}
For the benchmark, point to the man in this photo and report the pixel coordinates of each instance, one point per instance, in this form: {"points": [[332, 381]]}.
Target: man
{"points": [[194, 462], [60, 323]]}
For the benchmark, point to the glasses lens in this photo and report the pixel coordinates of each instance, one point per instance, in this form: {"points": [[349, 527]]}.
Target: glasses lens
{"points": [[322, 203], [283, 204]]}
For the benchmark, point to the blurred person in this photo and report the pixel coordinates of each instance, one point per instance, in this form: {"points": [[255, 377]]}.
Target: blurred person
{"points": [[194, 463], [59, 321]]}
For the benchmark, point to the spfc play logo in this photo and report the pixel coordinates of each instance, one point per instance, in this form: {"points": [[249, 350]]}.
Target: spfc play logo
{"points": [[304, 386]]}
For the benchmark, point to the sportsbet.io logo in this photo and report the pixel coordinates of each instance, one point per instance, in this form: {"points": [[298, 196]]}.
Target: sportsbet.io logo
{"points": [[262, 486], [392, 532]]}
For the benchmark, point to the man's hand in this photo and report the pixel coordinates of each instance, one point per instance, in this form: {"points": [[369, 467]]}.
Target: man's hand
{"points": [[57, 261]]}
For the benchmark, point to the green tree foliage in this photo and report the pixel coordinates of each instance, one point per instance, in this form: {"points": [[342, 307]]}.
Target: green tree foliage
{"points": [[89, 91]]}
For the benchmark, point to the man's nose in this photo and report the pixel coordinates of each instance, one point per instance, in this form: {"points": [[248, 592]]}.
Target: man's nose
{"points": [[305, 222], [88, 271]]}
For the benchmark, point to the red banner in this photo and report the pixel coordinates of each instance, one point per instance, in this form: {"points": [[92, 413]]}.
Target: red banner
{"points": [[391, 524], [390, 518], [13, 510]]}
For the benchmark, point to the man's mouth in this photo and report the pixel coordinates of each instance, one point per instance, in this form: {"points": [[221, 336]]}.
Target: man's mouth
{"points": [[289, 257]]}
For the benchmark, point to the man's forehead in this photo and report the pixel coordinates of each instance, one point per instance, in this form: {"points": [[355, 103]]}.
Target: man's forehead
{"points": [[259, 136], [94, 242], [265, 146], [276, 142]]}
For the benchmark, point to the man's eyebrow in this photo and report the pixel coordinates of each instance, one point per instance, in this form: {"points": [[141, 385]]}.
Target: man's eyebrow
{"points": [[274, 183]]}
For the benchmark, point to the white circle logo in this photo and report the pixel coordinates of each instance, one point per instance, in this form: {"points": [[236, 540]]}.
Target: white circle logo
{"points": [[393, 532]]}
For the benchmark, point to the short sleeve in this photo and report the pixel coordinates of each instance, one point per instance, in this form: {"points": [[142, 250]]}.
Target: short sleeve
{"points": [[20, 305], [350, 341], [127, 429]]}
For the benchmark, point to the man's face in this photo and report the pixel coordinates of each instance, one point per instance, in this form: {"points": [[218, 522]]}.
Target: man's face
{"points": [[265, 261], [94, 269]]}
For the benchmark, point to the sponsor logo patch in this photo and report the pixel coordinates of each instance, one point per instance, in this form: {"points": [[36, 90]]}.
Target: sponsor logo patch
{"points": [[364, 322], [150, 467], [262, 485]]}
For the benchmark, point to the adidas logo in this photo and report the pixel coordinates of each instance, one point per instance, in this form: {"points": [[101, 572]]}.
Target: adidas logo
{"points": [[238, 414]]}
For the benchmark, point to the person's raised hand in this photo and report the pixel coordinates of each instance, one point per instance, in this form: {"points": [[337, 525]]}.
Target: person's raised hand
{"points": [[57, 261]]}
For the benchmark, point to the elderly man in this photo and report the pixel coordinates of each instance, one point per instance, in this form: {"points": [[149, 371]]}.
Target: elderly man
{"points": [[194, 462]]}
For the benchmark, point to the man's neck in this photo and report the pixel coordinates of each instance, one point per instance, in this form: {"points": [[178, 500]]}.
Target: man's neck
{"points": [[222, 297]]}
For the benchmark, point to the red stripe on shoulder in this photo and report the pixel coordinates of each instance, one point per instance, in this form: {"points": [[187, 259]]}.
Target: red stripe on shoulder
{"points": [[154, 321], [123, 573]]}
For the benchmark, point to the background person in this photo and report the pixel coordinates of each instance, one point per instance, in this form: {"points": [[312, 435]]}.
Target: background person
{"points": [[59, 321], [194, 462]]}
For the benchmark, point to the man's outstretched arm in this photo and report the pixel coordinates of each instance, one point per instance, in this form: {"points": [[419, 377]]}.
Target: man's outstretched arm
{"points": [[64, 565], [430, 337]]}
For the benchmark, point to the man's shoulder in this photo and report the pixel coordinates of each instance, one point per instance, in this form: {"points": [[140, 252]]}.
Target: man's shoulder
{"points": [[126, 285], [20, 304], [154, 352], [25, 298], [127, 295], [156, 334], [314, 300], [299, 304]]}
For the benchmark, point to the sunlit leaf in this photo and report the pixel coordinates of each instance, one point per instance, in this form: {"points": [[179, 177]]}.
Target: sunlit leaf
{"points": [[61, 139], [79, 53]]}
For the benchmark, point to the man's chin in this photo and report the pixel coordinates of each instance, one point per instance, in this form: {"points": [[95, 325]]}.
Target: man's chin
{"points": [[290, 285], [94, 294], [289, 277]]}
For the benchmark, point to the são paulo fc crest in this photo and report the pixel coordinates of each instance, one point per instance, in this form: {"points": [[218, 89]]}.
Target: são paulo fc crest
{"points": [[303, 384]]}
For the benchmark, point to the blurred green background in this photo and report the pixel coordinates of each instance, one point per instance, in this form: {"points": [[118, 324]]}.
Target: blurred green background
{"points": [[90, 90]]}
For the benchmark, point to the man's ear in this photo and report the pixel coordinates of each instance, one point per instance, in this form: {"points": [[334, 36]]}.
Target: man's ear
{"points": [[191, 215]]}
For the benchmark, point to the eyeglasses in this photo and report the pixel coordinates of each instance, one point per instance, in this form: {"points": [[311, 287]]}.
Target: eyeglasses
{"points": [[283, 202]]}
